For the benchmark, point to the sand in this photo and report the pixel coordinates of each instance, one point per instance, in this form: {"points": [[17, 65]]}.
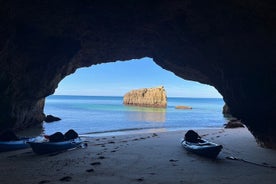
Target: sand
{"points": [[145, 158]]}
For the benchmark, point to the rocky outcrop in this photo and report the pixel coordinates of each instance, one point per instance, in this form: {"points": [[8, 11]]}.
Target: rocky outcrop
{"points": [[225, 110], [234, 124], [227, 44], [50, 118], [227, 113], [147, 97]]}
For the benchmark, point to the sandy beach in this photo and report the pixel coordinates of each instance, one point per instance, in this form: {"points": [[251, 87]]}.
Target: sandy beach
{"points": [[145, 158]]}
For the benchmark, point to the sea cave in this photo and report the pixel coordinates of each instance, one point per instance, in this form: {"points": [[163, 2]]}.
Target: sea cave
{"points": [[227, 44]]}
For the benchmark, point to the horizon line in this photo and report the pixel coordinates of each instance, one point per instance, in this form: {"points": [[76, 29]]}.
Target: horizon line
{"points": [[123, 96]]}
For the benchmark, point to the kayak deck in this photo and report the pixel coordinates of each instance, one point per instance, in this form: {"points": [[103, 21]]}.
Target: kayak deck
{"points": [[203, 148], [53, 147]]}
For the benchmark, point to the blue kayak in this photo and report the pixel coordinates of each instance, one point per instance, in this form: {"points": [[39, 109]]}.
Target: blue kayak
{"points": [[53, 147], [203, 148], [15, 145]]}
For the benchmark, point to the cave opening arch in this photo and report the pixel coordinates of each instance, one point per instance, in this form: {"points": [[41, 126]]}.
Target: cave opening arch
{"points": [[99, 89], [117, 78]]}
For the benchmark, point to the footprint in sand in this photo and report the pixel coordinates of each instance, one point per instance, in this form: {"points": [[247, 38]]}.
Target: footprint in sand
{"points": [[66, 178], [96, 163], [173, 160], [101, 157], [140, 179], [44, 181], [90, 170]]}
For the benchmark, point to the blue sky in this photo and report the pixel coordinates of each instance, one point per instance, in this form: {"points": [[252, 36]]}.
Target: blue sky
{"points": [[117, 78]]}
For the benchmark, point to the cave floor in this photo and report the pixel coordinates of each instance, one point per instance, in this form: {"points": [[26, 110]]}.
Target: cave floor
{"points": [[145, 158]]}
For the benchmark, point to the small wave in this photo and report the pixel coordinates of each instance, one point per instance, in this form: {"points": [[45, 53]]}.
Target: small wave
{"points": [[126, 131]]}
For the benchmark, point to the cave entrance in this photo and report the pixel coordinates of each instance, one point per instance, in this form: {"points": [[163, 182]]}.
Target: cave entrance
{"points": [[90, 100]]}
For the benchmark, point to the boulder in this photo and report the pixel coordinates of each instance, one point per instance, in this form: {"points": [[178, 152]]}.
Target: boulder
{"points": [[147, 97], [51, 118], [234, 124]]}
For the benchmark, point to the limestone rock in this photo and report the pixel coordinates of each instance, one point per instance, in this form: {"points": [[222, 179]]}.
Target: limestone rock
{"points": [[149, 97]]}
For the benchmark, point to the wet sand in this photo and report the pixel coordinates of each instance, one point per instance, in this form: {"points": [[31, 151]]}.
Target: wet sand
{"points": [[145, 158]]}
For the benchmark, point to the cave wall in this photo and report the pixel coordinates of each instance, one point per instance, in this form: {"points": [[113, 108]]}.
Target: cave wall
{"points": [[227, 44]]}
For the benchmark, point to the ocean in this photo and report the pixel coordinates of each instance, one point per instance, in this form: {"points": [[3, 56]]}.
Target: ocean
{"points": [[101, 115]]}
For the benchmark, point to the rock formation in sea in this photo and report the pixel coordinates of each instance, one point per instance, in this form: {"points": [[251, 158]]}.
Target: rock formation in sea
{"points": [[50, 118], [147, 97], [227, 44]]}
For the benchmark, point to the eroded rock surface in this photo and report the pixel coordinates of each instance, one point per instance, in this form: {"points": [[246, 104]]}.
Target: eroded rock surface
{"points": [[227, 44], [148, 97]]}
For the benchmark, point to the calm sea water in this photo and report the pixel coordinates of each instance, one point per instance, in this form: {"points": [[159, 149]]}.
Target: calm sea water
{"points": [[97, 115]]}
